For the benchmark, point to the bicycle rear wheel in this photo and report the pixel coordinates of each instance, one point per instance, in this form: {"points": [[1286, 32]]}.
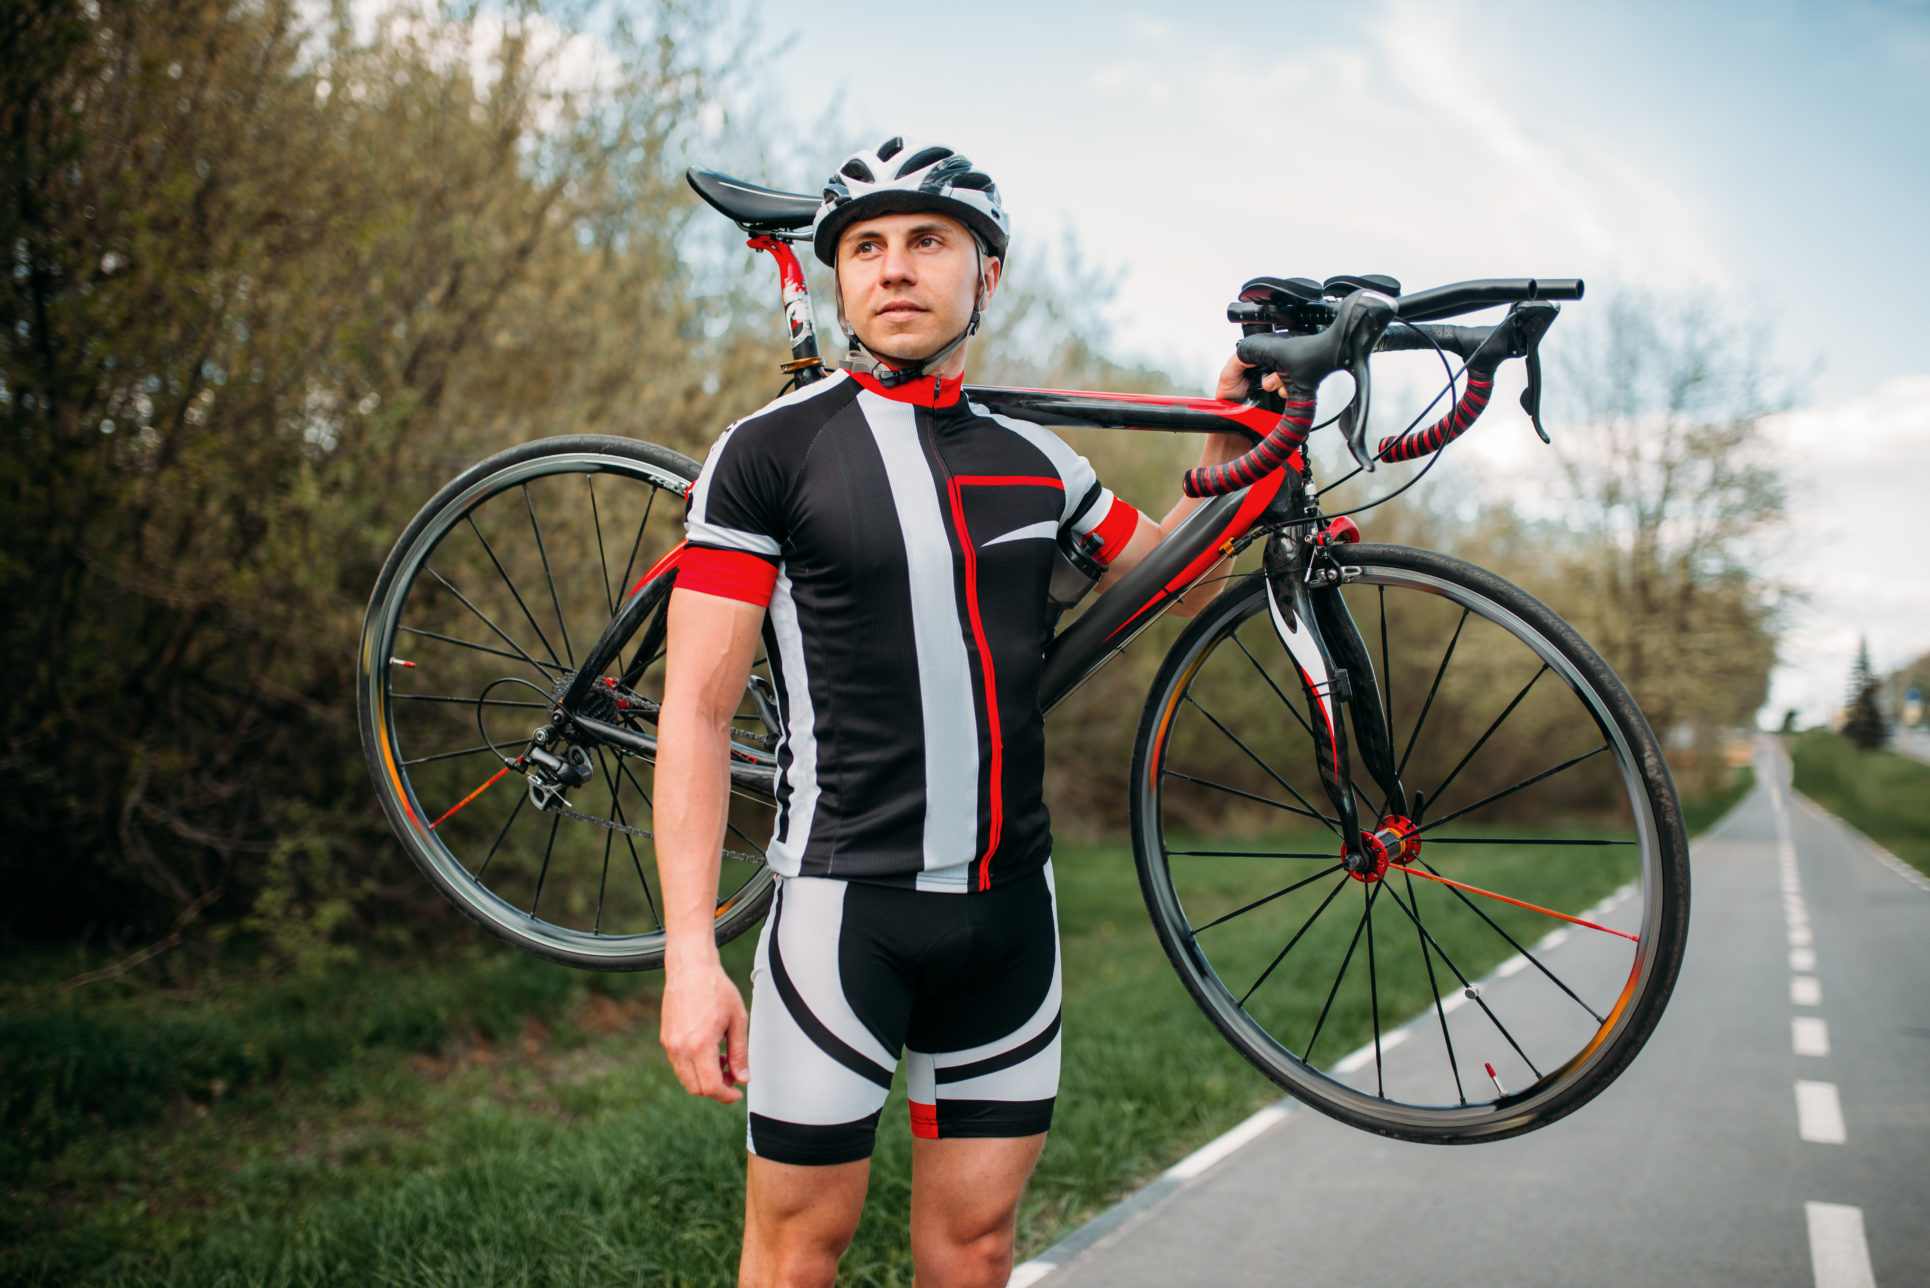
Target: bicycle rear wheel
{"points": [[485, 610], [1491, 983]]}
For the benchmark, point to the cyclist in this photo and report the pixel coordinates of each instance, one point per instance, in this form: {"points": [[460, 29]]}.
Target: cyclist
{"points": [[893, 544]]}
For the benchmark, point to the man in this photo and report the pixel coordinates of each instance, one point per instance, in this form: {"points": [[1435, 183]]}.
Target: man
{"points": [[894, 544]]}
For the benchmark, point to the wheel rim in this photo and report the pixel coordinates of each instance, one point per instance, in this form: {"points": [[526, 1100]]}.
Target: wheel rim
{"points": [[1322, 978], [494, 601]]}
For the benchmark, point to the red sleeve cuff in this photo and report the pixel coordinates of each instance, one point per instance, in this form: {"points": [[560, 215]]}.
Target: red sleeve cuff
{"points": [[730, 574], [1115, 530]]}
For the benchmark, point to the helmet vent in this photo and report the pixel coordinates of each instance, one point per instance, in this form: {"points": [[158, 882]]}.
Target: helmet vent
{"points": [[856, 169], [890, 148], [920, 160]]}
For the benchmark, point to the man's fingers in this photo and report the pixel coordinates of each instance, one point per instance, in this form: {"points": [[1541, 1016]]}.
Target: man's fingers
{"points": [[736, 1056]]}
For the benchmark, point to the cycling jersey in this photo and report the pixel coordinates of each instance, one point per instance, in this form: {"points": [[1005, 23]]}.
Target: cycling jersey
{"points": [[848, 974], [903, 540]]}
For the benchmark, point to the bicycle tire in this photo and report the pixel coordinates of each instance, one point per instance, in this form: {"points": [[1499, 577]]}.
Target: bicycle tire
{"points": [[463, 626], [1622, 816]]}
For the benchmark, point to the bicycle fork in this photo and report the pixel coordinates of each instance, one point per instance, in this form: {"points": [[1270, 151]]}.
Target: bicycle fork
{"points": [[1304, 577]]}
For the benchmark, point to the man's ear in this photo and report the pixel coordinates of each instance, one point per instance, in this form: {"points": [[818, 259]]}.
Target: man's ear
{"points": [[993, 270]]}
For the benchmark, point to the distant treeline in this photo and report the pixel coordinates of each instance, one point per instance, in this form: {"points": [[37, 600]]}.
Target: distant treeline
{"points": [[274, 278]]}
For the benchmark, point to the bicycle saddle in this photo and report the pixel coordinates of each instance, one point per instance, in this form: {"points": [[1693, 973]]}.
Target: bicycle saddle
{"points": [[755, 209]]}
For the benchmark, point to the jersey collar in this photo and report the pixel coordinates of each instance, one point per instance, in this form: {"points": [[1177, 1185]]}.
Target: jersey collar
{"points": [[918, 392]]}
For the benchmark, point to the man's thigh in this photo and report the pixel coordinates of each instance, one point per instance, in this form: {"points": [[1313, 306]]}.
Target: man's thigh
{"points": [[798, 1220], [966, 1191]]}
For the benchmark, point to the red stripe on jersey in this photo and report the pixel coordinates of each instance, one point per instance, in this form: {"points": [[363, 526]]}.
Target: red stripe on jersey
{"points": [[730, 574], [924, 1120], [1115, 530]]}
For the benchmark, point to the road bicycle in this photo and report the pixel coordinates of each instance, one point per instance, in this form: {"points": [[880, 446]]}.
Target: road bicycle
{"points": [[1363, 777]]}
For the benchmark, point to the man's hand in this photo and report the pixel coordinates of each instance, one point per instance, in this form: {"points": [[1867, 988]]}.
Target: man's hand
{"points": [[1233, 385], [702, 1007]]}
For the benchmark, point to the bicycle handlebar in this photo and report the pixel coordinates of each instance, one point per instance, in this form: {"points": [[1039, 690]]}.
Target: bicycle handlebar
{"points": [[1365, 322]]}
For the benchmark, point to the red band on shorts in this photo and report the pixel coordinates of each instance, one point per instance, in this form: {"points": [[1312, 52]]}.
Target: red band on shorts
{"points": [[924, 1120], [729, 574]]}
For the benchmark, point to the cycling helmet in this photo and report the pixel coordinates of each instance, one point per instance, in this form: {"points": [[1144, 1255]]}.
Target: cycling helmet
{"points": [[899, 177]]}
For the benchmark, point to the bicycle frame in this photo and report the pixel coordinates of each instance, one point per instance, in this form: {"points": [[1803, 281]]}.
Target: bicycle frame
{"points": [[1319, 635]]}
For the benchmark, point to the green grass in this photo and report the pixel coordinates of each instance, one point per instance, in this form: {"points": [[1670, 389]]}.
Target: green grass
{"points": [[1884, 795], [495, 1120]]}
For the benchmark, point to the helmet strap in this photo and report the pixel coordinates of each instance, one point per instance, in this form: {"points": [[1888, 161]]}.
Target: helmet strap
{"points": [[860, 358]]}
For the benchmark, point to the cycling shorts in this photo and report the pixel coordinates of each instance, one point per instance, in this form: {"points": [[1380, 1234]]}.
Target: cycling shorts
{"points": [[849, 974]]}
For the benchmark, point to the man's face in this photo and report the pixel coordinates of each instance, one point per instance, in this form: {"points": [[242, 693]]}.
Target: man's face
{"points": [[909, 281]]}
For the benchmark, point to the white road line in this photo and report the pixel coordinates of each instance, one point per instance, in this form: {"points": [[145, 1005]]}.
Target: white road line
{"points": [[1819, 1112], [1801, 937], [1870, 847], [1365, 1055], [1809, 1035], [1803, 959], [1215, 1150], [1513, 966], [1838, 1253], [1805, 990]]}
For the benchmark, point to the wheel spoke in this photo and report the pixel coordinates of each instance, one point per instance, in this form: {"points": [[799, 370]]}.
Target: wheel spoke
{"points": [[1434, 991], [1293, 710], [468, 702], [513, 592], [1373, 1003], [1523, 840], [1248, 854], [1266, 899], [1467, 986], [555, 821], [636, 544], [1532, 959], [1531, 907], [487, 784], [530, 503], [1509, 791], [1333, 825], [1482, 741], [1400, 770], [603, 562], [1235, 791], [546, 671], [1366, 914], [636, 860], [542, 669], [522, 799], [1296, 938], [449, 755]]}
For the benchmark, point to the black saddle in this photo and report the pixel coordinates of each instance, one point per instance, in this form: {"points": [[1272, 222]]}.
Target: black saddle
{"points": [[755, 209]]}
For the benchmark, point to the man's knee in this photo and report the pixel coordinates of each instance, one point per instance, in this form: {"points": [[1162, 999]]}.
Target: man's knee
{"points": [[798, 1222]]}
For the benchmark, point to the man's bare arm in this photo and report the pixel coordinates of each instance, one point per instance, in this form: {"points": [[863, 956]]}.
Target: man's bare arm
{"points": [[1218, 449], [712, 641]]}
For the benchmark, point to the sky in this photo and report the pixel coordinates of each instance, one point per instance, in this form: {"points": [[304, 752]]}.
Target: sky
{"points": [[1771, 159]]}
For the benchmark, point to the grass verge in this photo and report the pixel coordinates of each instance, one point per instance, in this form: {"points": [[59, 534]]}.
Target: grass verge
{"points": [[1884, 795], [497, 1120]]}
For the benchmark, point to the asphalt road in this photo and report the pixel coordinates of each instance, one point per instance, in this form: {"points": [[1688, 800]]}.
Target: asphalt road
{"points": [[1694, 1168]]}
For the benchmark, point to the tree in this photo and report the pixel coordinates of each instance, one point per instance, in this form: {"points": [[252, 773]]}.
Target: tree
{"points": [[1672, 484], [1863, 723]]}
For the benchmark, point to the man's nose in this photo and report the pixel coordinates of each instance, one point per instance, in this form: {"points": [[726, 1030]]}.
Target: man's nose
{"points": [[898, 266]]}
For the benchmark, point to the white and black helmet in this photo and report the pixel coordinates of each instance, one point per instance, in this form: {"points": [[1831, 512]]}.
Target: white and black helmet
{"points": [[897, 177]]}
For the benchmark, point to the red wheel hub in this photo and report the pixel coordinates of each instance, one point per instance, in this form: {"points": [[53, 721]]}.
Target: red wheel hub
{"points": [[1396, 840]]}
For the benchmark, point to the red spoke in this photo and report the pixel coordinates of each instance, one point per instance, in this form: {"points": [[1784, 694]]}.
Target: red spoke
{"points": [[470, 797], [1531, 907]]}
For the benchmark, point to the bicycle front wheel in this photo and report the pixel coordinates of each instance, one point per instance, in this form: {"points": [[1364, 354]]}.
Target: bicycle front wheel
{"points": [[1490, 983], [496, 595]]}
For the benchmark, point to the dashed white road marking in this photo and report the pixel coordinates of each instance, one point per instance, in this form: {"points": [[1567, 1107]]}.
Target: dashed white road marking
{"points": [[1838, 1253], [1809, 1035], [1819, 1112], [1805, 990], [1802, 959], [1801, 937]]}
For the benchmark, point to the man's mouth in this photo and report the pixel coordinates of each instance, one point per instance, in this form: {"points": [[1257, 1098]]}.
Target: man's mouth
{"points": [[899, 308]]}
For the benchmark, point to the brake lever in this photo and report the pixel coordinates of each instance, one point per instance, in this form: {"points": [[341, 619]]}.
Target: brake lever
{"points": [[1531, 322], [1364, 316]]}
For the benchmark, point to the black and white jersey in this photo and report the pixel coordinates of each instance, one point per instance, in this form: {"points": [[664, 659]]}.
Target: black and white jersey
{"points": [[904, 539]]}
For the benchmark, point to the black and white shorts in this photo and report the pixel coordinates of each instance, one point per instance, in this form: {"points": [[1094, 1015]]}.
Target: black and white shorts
{"points": [[849, 974]]}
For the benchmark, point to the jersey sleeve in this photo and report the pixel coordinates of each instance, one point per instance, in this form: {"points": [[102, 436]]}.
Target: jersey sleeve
{"points": [[734, 530], [1096, 519]]}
